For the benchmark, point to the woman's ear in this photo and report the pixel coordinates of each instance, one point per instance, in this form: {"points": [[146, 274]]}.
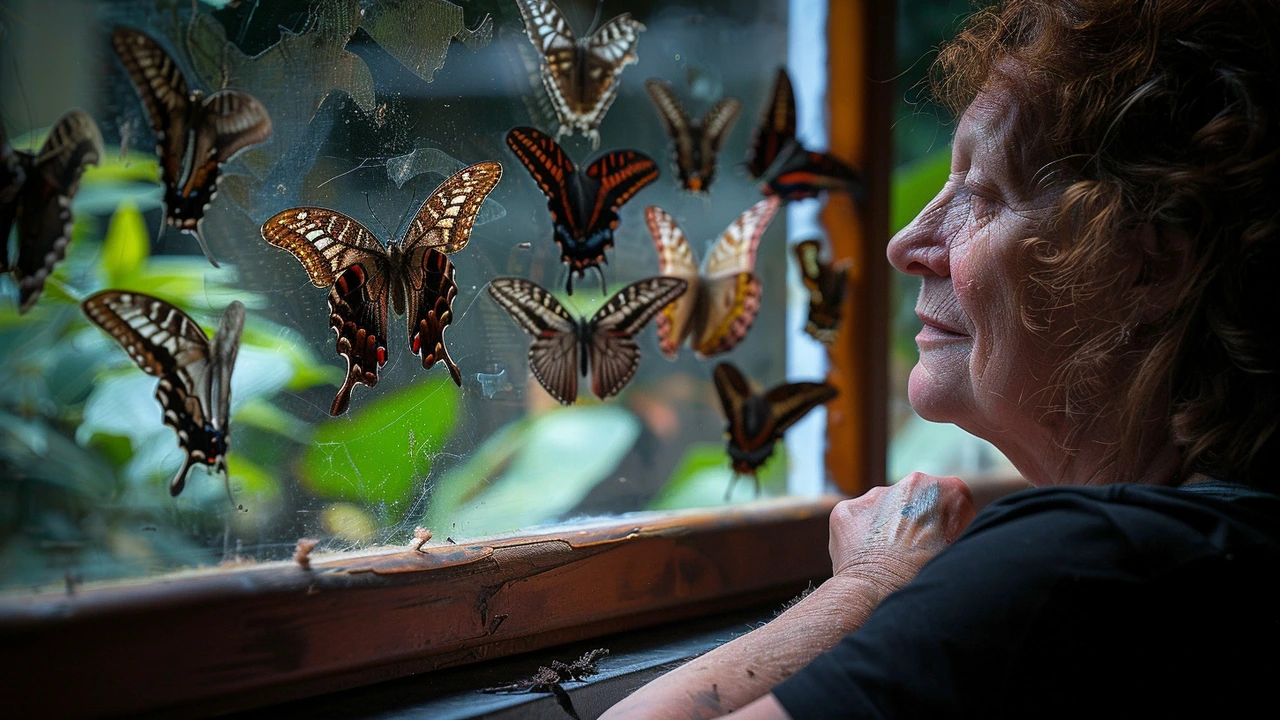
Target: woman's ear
{"points": [[1165, 256]]}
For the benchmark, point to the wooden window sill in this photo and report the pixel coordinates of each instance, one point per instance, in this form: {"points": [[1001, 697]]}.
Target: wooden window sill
{"points": [[213, 641]]}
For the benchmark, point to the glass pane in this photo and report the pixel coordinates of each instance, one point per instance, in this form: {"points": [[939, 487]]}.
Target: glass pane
{"points": [[372, 104]]}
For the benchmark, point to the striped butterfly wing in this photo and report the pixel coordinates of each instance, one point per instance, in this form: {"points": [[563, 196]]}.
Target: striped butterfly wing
{"points": [[553, 171], [553, 355], [775, 136], [685, 137], [611, 347], [750, 431], [806, 174], [792, 401], [225, 123], [164, 94], [730, 297], [441, 226], [675, 259], [42, 205], [163, 341], [605, 53], [826, 284], [341, 254], [714, 128]]}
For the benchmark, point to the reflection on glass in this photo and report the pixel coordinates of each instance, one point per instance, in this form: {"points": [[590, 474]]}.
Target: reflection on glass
{"points": [[369, 113]]}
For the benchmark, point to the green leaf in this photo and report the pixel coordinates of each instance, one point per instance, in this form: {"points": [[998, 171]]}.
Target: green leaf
{"points": [[703, 476], [127, 245], [261, 414], [555, 460], [382, 453]]}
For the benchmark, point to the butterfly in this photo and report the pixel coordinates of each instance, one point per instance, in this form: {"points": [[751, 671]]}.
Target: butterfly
{"points": [[195, 134], [758, 421], [413, 273], [722, 302], [784, 165], [826, 283], [194, 372], [583, 203], [36, 192], [565, 347], [695, 144], [580, 75]]}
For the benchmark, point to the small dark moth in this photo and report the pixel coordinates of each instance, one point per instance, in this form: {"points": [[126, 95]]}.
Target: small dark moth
{"points": [[695, 143], [757, 421], [565, 347], [583, 203], [827, 283], [36, 193], [195, 134], [194, 372], [413, 274], [581, 75], [786, 167]]}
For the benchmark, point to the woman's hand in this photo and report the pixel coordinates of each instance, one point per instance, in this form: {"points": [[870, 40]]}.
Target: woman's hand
{"points": [[886, 535]]}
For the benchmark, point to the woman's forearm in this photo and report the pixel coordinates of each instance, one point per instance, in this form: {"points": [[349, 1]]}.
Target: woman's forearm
{"points": [[748, 667]]}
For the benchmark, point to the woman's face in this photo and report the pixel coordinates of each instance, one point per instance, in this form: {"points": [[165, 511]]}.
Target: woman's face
{"points": [[980, 367]]}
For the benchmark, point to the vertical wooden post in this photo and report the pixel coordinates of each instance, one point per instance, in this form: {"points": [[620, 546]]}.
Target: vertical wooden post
{"points": [[860, 43]]}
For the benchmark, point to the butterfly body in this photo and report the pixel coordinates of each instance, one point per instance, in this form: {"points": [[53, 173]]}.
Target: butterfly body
{"points": [[827, 283], [412, 275], [580, 75], [695, 143], [757, 421], [566, 347], [195, 134], [724, 296], [784, 166], [36, 193], [195, 373], [583, 203]]}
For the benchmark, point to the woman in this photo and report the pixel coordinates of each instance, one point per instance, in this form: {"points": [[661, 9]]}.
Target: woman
{"points": [[1095, 303]]}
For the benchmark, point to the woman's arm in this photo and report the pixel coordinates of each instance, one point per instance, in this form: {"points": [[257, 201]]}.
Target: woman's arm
{"points": [[878, 543]]}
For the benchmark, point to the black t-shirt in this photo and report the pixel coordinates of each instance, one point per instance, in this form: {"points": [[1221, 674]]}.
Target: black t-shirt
{"points": [[1120, 601]]}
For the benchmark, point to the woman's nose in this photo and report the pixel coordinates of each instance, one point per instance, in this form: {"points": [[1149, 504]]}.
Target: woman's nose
{"points": [[921, 248]]}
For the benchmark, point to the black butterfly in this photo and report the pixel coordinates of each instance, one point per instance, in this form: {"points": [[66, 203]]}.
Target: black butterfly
{"points": [[36, 192], [413, 273], [758, 421], [195, 134], [195, 374], [695, 144], [826, 283], [580, 75], [565, 347], [583, 203], [784, 165]]}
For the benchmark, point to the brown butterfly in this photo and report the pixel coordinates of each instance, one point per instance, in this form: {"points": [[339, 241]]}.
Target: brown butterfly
{"points": [[580, 74], [695, 144], [195, 374], [414, 273], [36, 192], [785, 167], [565, 347], [757, 421], [722, 301], [827, 283], [583, 203], [195, 134]]}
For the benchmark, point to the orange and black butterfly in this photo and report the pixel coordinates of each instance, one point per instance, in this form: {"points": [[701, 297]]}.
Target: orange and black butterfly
{"points": [[826, 282], [565, 347], [413, 274], [723, 299], [757, 421], [786, 168], [194, 371], [583, 203], [195, 134], [35, 194], [695, 143], [581, 75]]}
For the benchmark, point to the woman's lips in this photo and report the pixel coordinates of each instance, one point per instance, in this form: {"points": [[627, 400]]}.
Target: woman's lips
{"points": [[935, 332]]}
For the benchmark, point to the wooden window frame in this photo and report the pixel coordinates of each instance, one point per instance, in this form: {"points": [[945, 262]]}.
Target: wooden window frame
{"points": [[210, 641]]}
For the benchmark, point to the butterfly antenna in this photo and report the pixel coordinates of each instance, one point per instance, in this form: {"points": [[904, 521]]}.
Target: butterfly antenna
{"points": [[204, 247], [596, 19], [728, 492], [603, 290]]}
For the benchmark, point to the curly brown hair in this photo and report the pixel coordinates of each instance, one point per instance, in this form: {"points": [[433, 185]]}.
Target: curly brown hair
{"points": [[1160, 113]]}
